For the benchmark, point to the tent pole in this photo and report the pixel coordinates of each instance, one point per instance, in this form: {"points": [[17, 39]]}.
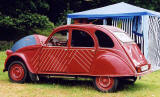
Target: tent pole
{"points": [[104, 21], [145, 19], [68, 21]]}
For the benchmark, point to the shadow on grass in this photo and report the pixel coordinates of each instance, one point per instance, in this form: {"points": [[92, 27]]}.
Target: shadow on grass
{"points": [[67, 82], [82, 83], [124, 85]]}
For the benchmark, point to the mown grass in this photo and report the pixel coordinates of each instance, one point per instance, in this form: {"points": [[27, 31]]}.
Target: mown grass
{"points": [[148, 86]]}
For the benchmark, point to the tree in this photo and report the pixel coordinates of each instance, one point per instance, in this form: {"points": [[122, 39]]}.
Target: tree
{"points": [[53, 11], [23, 17]]}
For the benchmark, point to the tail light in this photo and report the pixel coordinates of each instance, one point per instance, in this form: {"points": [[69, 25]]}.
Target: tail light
{"points": [[142, 68]]}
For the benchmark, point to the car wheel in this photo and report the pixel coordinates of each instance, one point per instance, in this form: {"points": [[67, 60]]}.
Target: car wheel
{"points": [[105, 84], [17, 72]]}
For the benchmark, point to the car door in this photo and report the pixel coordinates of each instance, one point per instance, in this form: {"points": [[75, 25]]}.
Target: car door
{"points": [[82, 51], [54, 56]]}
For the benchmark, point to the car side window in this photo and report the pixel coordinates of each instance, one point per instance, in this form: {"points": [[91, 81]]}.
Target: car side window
{"points": [[60, 38], [81, 39], [104, 40]]}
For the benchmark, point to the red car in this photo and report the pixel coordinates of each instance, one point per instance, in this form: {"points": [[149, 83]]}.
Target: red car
{"points": [[104, 53]]}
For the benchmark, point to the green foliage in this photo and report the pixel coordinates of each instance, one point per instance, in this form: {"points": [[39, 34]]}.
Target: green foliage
{"points": [[24, 24], [63, 17], [16, 7], [34, 21], [19, 18], [7, 26], [23, 17], [45, 32], [4, 45], [6, 21]]}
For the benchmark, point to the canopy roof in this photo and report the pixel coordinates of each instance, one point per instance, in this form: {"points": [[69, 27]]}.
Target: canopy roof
{"points": [[120, 9]]}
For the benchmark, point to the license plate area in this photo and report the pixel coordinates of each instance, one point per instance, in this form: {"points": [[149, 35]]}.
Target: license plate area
{"points": [[144, 68]]}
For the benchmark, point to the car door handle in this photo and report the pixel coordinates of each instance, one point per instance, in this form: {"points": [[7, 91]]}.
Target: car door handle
{"points": [[92, 50]]}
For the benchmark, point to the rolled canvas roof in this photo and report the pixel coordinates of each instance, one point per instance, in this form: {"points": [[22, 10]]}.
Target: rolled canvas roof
{"points": [[119, 9]]}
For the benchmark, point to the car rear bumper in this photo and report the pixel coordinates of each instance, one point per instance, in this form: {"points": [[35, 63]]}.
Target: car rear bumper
{"points": [[144, 73]]}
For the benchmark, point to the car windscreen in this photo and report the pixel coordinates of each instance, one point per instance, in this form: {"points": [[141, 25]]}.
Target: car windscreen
{"points": [[122, 36]]}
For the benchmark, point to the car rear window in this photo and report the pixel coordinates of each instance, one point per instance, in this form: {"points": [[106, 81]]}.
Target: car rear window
{"points": [[122, 36], [104, 40]]}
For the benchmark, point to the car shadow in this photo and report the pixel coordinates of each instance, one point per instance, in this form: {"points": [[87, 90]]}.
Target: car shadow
{"points": [[83, 83], [67, 82], [123, 85]]}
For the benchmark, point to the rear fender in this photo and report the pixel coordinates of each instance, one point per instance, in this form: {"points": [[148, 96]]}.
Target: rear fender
{"points": [[112, 65]]}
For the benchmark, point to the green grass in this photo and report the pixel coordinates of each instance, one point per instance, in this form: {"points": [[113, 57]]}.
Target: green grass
{"points": [[148, 86]]}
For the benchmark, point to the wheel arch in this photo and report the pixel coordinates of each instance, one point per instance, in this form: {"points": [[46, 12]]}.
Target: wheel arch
{"points": [[111, 65], [17, 57]]}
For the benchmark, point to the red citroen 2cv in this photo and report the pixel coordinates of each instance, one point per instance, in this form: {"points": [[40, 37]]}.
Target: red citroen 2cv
{"points": [[104, 53]]}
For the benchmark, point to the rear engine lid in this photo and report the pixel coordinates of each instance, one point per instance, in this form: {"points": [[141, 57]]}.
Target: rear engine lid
{"points": [[135, 54]]}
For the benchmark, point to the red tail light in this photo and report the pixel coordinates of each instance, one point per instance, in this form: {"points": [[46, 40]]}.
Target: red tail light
{"points": [[142, 68]]}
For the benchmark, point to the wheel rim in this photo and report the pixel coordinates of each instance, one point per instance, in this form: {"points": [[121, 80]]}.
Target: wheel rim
{"points": [[17, 72], [104, 83]]}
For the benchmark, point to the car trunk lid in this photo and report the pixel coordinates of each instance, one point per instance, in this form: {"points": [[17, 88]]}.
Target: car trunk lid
{"points": [[134, 53]]}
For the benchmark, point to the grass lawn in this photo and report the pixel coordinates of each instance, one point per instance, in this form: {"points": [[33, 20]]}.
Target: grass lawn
{"points": [[148, 86]]}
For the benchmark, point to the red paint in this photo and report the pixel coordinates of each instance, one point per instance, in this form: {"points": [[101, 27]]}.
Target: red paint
{"points": [[40, 39], [135, 54], [8, 52], [121, 60], [17, 72]]}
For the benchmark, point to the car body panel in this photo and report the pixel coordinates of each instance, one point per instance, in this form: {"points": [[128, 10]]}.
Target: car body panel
{"points": [[53, 59], [121, 60], [110, 63], [29, 55]]}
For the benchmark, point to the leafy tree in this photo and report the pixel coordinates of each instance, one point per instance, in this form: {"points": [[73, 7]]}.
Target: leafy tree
{"points": [[23, 17], [24, 24], [15, 7]]}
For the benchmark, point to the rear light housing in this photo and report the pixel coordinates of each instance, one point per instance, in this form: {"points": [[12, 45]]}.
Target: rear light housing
{"points": [[142, 68]]}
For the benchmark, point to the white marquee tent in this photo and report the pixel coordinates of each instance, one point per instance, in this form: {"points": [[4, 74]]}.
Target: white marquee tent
{"points": [[143, 26]]}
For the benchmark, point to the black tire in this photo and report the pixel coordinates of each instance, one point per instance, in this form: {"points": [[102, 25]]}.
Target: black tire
{"points": [[105, 84], [128, 80], [132, 80], [17, 72]]}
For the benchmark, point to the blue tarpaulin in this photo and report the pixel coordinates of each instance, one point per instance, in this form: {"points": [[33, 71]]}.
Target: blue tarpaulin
{"points": [[120, 9]]}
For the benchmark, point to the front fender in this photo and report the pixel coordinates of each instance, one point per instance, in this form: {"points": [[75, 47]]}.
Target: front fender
{"points": [[112, 65], [17, 56]]}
